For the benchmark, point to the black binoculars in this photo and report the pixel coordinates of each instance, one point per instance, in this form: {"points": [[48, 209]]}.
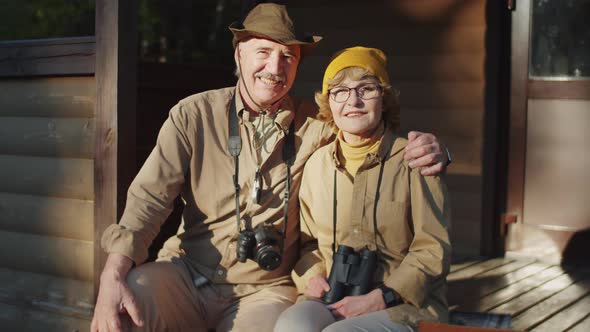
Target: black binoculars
{"points": [[351, 274], [263, 245]]}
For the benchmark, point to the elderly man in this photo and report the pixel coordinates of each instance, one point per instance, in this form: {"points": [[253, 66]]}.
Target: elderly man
{"points": [[235, 156]]}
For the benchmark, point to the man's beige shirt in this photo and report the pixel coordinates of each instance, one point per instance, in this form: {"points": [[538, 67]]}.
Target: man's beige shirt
{"points": [[191, 159], [412, 218]]}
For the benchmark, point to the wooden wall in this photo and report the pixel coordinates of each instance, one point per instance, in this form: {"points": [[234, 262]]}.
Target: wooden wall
{"points": [[47, 126], [436, 51]]}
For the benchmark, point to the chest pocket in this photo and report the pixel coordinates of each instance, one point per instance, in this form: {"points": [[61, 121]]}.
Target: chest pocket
{"points": [[394, 226]]}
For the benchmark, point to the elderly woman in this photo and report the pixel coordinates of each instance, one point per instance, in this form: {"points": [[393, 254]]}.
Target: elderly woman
{"points": [[375, 242]]}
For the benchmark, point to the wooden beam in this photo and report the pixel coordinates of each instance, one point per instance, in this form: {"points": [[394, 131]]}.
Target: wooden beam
{"points": [[518, 108], [114, 149], [59, 56], [574, 89], [495, 126]]}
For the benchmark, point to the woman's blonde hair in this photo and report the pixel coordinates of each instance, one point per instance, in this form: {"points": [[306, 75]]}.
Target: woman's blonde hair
{"points": [[391, 108]]}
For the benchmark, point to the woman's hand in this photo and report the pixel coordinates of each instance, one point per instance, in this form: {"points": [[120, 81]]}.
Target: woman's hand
{"points": [[317, 287], [353, 306]]}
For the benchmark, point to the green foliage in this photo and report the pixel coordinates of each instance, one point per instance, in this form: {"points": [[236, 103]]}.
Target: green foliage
{"points": [[34, 19], [172, 31]]}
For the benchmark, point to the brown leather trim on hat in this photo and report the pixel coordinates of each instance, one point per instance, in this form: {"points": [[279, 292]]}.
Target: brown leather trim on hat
{"points": [[271, 21]]}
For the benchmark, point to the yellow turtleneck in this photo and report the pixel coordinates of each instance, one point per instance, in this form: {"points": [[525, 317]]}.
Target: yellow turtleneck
{"points": [[352, 156]]}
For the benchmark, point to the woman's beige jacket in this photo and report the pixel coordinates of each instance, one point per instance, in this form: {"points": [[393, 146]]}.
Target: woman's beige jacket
{"points": [[412, 215]]}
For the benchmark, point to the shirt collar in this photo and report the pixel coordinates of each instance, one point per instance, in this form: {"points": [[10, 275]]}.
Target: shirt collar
{"points": [[390, 145], [284, 114]]}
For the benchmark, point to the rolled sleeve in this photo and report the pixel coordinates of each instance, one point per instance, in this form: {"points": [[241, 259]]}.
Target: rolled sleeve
{"points": [[428, 258], [151, 195]]}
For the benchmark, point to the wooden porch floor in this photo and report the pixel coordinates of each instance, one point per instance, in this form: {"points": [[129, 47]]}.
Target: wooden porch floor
{"points": [[539, 296]]}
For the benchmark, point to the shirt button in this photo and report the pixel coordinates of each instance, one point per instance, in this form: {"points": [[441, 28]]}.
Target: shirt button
{"points": [[220, 273], [355, 231]]}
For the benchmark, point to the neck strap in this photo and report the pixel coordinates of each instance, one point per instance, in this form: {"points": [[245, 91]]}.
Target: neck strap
{"points": [[234, 147]]}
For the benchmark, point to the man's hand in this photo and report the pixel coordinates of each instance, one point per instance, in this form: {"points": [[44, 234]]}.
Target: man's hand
{"points": [[426, 151], [317, 287], [353, 306], [114, 297]]}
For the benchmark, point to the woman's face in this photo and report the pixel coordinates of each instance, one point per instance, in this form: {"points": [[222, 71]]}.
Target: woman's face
{"points": [[360, 114]]}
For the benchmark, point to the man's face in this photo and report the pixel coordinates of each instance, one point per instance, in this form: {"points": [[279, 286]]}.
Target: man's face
{"points": [[267, 69]]}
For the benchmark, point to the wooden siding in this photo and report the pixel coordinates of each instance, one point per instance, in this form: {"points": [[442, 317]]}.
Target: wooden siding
{"points": [[47, 254], [59, 177], [55, 97], [59, 56], [47, 137], [49, 216], [31, 301], [437, 54], [47, 129]]}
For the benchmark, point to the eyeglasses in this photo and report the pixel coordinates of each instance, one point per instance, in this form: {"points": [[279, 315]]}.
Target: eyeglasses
{"points": [[368, 91]]}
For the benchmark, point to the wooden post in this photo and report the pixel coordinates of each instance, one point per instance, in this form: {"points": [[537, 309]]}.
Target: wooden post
{"points": [[114, 145], [518, 108]]}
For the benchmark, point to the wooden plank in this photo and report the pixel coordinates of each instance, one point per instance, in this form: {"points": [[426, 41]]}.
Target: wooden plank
{"points": [[47, 137], [114, 149], [24, 320], [42, 254], [313, 13], [549, 306], [466, 205], [44, 292], [68, 178], [536, 295], [48, 97], [405, 41], [583, 326], [60, 217], [441, 95], [566, 318], [460, 266], [457, 67], [450, 122], [477, 269], [518, 288], [463, 293], [465, 150], [60, 56], [493, 282], [578, 89]]}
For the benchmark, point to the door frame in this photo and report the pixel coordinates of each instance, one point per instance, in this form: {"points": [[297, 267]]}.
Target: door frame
{"points": [[523, 88]]}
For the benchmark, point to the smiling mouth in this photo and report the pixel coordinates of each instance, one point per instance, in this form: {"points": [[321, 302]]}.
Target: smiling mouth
{"points": [[269, 81], [354, 114]]}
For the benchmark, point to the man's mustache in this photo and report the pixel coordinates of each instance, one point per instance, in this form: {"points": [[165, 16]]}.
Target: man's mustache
{"points": [[269, 76]]}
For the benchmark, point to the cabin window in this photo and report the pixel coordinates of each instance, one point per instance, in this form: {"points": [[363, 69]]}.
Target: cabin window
{"points": [[560, 39], [38, 19]]}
